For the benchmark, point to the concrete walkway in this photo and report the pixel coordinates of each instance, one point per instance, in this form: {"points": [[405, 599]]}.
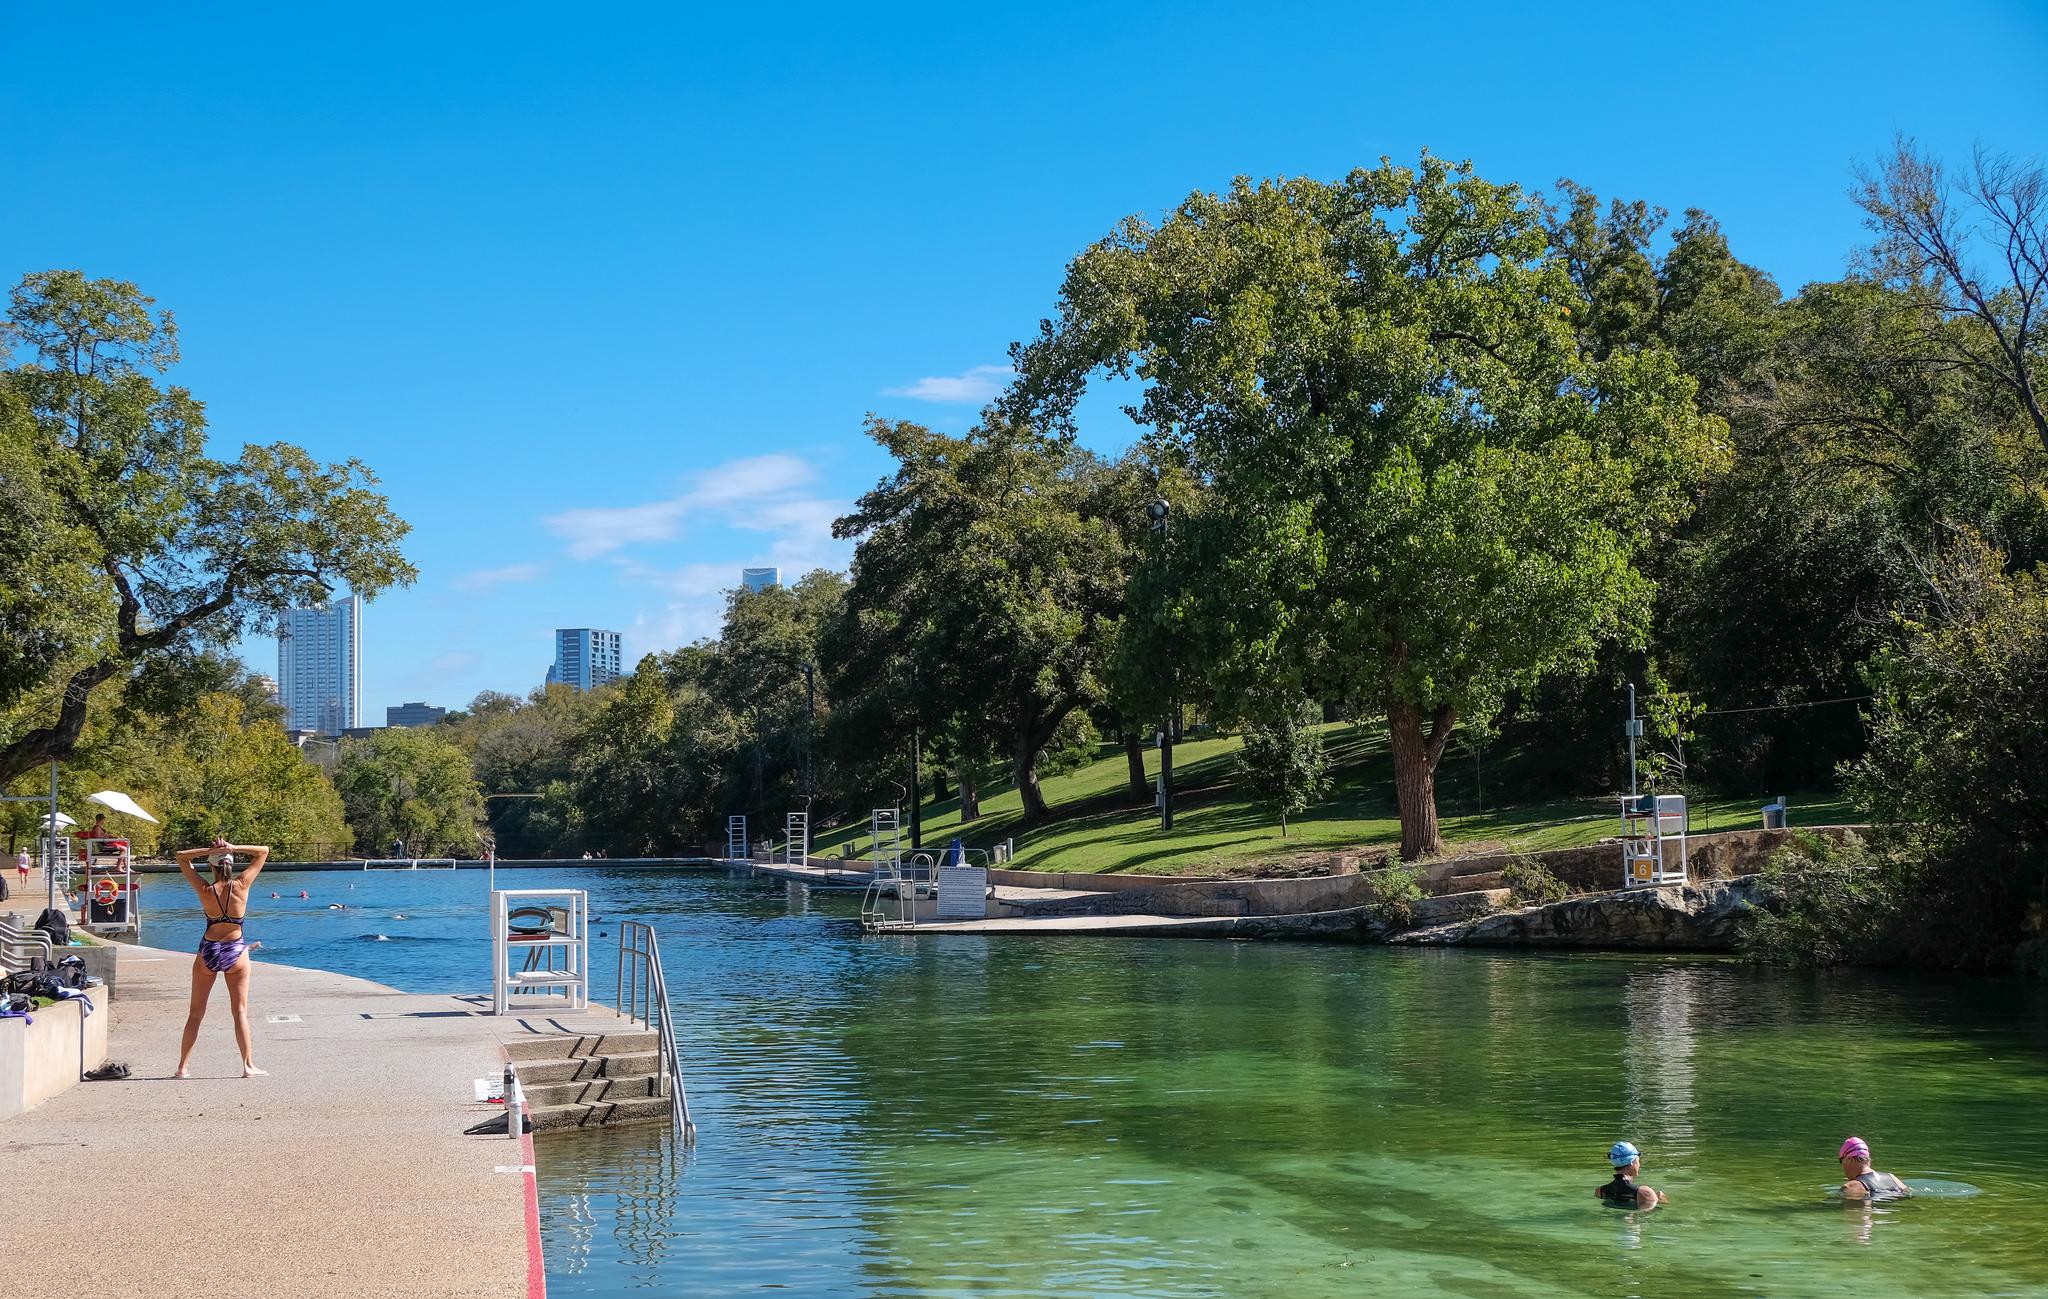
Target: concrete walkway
{"points": [[343, 1173]]}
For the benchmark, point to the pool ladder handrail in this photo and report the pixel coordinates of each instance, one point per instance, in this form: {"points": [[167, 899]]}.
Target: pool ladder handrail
{"points": [[648, 989]]}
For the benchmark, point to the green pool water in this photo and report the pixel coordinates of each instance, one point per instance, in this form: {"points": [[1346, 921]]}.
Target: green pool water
{"points": [[1008, 1116]]}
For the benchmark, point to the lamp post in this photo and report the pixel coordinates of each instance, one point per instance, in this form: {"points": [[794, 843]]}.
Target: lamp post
{"points": [[1157, 512], [810, 734]]}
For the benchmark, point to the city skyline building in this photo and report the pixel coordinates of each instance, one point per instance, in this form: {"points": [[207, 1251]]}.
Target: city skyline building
{"points": [[320, 666], [413, 714], [760, 579], [585, 657]]}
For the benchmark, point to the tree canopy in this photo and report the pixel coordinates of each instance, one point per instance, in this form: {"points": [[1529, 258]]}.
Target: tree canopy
{"points": [[1434, 492], [126, 540]]}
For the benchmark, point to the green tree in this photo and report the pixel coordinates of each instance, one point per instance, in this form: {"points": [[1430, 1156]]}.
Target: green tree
{"points": [[409, 783], [150, 545], [1434, 494], [982, 585], [757, 672], [227, 772], [1283, 763], [1959, 756]]}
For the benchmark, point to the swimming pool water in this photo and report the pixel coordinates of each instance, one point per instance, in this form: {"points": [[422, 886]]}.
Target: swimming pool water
{"points": [[1174, 1118]]}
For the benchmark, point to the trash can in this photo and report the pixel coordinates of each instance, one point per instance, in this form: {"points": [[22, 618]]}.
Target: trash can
{"points": [[1775, 813]]}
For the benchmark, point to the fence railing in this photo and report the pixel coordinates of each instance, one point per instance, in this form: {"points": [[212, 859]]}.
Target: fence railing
{"points": [[642, 996]]}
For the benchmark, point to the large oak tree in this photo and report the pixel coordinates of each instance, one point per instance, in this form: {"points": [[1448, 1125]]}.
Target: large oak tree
{"points": [[1435, 493]]}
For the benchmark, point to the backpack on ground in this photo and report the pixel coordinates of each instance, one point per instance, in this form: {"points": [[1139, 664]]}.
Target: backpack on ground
{"points": [[56, 925]]}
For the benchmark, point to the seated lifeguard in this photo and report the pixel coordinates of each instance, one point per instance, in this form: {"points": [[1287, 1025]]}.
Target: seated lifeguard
{"points": [[1624, 1192], [1862, 1182]]}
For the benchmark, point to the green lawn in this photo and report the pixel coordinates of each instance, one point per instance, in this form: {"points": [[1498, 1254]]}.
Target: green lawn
{"points": [[1097, 829]]}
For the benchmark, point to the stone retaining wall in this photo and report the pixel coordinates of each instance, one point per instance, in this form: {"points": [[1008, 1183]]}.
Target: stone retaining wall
{"points": [[1594, 868]]}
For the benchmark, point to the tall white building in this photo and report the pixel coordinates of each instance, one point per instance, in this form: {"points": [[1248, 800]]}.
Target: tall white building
{"points": [[585, 657], [760, 579], [320, 666]]}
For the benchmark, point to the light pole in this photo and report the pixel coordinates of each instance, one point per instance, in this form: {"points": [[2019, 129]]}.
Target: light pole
{"points": [[1157, 511], [810, 734]]}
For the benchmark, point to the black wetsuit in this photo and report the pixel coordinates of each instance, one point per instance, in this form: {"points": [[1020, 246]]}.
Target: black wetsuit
{"points": [[1883, 1186], [1619, 1193]]}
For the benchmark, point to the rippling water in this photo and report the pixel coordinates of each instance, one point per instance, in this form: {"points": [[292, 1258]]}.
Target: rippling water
{"points": [[1174, 1118]]}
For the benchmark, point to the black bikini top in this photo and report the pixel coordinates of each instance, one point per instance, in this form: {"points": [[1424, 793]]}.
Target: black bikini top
{"points": [[223, 918]]}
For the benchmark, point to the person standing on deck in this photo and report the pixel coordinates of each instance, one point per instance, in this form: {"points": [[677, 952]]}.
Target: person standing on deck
{"points": [[21, 866], [1624, 1192], [223, 942]]}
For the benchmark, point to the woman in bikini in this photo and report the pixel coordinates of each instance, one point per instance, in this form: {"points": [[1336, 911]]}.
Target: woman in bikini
{"points": [[223, 946]]}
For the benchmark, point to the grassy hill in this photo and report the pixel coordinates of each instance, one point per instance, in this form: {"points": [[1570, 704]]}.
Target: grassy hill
{"points": [[1097, 827]]}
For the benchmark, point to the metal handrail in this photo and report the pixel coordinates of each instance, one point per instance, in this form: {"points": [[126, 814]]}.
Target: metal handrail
{"points": [[643, 998]]}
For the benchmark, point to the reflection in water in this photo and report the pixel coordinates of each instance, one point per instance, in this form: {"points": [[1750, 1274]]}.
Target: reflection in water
{"points": [[1661, 1003]]}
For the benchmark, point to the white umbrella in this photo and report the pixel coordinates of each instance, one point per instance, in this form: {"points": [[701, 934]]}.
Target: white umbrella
{"points": [[121, 803], [61, 820]]}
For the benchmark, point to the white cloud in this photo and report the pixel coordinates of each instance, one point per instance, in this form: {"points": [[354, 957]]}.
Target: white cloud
{"points": [[485, 579], [735, 489], [979, 384]]}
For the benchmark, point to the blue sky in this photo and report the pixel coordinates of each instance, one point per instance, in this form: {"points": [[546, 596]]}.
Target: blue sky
{"points": [[603, 292]]}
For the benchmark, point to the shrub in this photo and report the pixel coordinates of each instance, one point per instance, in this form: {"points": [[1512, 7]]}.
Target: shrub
{"points": [[1826, 902], [1530, 884], [1392, 894]]}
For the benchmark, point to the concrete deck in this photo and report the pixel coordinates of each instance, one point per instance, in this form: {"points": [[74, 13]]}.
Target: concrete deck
{"points": [[343, 1173], [1322, 924], [856, 874]]}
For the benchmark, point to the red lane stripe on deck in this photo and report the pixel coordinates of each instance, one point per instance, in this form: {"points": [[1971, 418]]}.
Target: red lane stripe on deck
{"points": [[536, 1269]]}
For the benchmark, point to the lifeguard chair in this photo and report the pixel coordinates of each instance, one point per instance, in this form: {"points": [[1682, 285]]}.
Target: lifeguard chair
{"points": [[540, 942], [1653, 848], [111, 903]]}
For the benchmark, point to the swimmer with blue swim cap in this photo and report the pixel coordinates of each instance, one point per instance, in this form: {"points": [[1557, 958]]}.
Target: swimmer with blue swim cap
{"points": [[1862, 1182], [1624, 1192]]}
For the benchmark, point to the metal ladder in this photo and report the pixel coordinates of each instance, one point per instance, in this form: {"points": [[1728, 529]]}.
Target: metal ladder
{"points": [[642, 997]]}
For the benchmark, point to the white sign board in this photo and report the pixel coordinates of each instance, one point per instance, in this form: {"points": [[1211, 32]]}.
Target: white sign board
{"points": [[963, 893]]}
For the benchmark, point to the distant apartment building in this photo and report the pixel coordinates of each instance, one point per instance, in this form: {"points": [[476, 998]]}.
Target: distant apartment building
{"points": [[268, 685], [320, 666], [412, 714], [585, 657], [760, 579]]}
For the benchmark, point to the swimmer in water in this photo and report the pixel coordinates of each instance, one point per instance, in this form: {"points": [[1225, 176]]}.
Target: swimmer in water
{"points": [[304, 894], [1862, 1182], [398, 915], [336, 906], [1624, 1192]]}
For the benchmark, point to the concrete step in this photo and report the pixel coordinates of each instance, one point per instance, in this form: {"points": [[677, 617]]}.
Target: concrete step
{"points": [[534, 1073], [571, 1046], [1477, 882], [643, 1109], [589, 1091]]}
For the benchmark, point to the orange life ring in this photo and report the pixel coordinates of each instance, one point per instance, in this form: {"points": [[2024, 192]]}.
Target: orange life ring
{"points": [[104, 891]]}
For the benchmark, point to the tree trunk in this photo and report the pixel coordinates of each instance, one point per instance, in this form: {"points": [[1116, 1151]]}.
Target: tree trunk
{"points": [[1134, 758], [1415, 759], [970, 795], [1024, 764]]}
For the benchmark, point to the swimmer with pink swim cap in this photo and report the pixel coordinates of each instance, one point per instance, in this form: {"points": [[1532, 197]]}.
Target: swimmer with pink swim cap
{"points": [[1862, 1182]]}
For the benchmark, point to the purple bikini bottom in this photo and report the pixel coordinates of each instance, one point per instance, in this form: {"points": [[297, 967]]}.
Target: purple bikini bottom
{"points": [[220, 957]]}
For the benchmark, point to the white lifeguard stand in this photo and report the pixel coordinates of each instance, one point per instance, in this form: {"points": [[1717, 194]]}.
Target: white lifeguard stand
{"points": [[1652, 840], [797, 830], [736, 839], [108, 897], [540, 941], [885, 832]]}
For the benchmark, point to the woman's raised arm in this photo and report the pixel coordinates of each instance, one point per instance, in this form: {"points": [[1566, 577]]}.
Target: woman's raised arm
{"points": [[258, 854]]}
